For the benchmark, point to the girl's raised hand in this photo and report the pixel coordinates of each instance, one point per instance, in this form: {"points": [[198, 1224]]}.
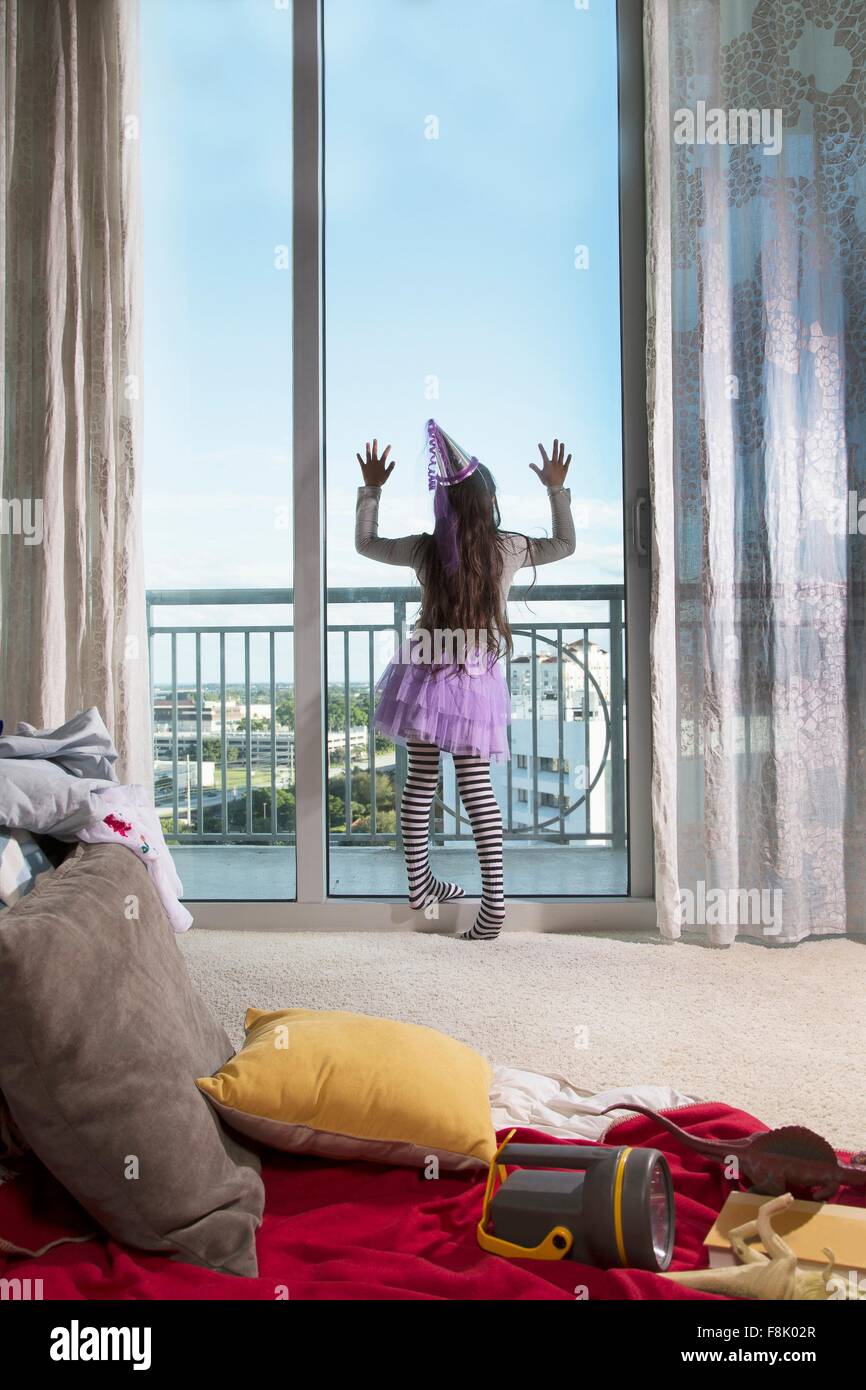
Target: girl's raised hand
{"points": [[376, 470], [554, 469]]}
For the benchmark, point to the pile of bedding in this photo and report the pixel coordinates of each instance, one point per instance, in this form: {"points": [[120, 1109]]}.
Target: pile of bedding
{"points": [[61, 785], [335, 1156], [362, 1231]]}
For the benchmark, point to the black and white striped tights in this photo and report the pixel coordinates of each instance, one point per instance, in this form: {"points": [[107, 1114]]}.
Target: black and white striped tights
{"points": [[476, 793]]}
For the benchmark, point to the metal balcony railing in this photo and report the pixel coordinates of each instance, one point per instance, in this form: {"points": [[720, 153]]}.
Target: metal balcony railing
{"points": [[229, 814]]}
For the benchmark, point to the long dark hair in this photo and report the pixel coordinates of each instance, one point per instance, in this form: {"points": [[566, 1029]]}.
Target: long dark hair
{"points": [[470, 599]]}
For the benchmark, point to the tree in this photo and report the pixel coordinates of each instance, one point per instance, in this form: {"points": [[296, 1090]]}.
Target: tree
{"points": [[336, 708], [359, 708], [257, 725], [261, 813], [285, 711]]}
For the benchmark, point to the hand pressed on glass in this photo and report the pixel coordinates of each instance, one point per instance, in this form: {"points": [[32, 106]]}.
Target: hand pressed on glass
{"points": [[553, 471], [376, 470]]}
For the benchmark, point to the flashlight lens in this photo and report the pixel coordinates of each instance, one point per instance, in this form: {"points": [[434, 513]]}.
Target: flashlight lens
{"points": [[659, 1214]]}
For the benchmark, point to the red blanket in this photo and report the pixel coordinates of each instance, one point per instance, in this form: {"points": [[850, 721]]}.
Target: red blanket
{"points": [[358, 1231]]}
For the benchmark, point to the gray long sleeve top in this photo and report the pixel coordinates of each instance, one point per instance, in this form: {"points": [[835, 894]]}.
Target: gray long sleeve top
{"points": [[518, 550]]}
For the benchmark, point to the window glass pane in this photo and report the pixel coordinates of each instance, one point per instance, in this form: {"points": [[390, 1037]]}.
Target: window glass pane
{"points": [[472, 274], [216, 153]]}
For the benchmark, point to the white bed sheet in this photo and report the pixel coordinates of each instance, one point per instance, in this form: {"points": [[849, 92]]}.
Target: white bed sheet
{"points": [[551, 1103]]}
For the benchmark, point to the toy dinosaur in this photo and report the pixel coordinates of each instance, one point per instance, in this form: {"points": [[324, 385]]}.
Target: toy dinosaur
{"points": [[778, 1160], [775, 1275]]}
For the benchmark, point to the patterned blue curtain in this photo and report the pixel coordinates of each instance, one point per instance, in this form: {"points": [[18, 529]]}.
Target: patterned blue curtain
{"points": [[756, 142]]}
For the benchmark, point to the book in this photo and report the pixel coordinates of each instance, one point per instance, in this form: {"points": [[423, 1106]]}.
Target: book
{"points": [[806, 1227]]}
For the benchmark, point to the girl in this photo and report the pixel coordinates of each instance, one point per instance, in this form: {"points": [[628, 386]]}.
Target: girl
{"points": [[445, 689]]}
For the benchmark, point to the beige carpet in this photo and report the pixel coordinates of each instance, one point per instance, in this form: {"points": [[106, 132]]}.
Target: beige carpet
{"points": [[776, 1032]]}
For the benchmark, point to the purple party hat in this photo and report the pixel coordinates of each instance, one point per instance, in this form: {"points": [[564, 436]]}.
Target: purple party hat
{"points": [[447, 464]]}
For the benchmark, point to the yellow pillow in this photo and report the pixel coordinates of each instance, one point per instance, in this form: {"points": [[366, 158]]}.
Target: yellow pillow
{"points": [[349, 1086]]}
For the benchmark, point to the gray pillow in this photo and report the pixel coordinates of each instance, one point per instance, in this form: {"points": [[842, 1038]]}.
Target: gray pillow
{"points": [[37, 795], [102, 1037]]}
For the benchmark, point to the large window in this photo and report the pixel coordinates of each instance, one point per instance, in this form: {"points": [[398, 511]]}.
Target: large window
{"points": [[472, 274], [360, 214]]}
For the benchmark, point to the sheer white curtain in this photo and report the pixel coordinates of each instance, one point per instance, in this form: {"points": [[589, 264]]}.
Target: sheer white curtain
{"points": [[757, 397], [72, 614]]}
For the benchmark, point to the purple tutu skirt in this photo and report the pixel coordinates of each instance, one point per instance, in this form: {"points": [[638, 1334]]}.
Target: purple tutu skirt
{"points": [[461, 709]]}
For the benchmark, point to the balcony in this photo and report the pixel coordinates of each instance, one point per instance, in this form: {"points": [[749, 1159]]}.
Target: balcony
{"points": [[222, 695]]}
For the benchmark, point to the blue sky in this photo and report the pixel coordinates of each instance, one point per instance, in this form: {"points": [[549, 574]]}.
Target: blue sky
{"points": [[449, 259]]}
